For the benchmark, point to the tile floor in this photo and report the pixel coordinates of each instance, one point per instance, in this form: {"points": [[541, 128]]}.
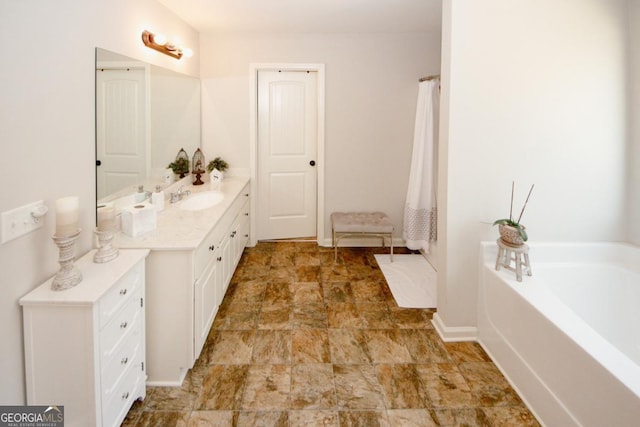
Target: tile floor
{"points": [[301, 340]]}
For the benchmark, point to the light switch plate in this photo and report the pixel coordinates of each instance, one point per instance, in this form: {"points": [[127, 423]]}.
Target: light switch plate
{"points": [[20, 221]]}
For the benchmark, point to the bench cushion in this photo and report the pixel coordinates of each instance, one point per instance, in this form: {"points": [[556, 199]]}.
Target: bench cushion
{"points": [[361, 222]]}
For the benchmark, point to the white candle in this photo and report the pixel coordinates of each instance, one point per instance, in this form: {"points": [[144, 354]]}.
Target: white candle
{"points": [[67, 215], [106, 218]]}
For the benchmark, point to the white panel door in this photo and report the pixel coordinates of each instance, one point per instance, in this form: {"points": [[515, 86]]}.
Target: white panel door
{"points": [[287, 150], [121, 136]]}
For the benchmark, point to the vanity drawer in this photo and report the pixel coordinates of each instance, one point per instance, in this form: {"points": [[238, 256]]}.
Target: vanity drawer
{"points": [[117, 401], [116, 363], [120, 294], [122, 324], [206, 251]]}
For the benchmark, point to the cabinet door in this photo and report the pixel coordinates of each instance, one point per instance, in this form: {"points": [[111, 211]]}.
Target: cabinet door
{"points": [[207, 301], [227, 262], [242, 237]]}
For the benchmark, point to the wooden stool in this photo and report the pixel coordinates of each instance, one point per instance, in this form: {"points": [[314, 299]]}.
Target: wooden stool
{"points": [[519, 254], [371, 224]]}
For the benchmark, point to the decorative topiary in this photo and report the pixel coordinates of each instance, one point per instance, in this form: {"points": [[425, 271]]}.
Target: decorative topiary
{"points": [[218, 164]]}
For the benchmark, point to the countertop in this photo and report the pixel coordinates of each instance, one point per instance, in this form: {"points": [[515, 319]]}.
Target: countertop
{"points": [[97, 279], [179, 229]]}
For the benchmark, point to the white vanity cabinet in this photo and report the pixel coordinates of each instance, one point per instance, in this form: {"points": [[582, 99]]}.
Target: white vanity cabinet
{"points": [[85, 346], [186, 286], [224, 249]]}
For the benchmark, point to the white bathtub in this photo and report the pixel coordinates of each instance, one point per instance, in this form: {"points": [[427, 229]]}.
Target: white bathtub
{"points": [[567, 338]]}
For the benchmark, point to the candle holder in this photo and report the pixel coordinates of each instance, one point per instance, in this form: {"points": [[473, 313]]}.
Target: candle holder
{"points": [[69, 275], [105, 252]]}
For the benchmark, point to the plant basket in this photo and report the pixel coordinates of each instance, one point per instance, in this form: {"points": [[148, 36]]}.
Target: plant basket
{"points": [[511, 235]]}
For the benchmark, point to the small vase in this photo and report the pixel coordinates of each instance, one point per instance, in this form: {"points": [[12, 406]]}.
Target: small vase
{"points": [[215, 176], [510, 235]]}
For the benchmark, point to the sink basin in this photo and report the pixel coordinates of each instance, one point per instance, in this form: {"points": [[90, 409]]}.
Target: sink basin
{"points": [[201, 201]]}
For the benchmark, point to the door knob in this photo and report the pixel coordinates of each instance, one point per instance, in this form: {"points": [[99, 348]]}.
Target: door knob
{"points": [[312, 162]]}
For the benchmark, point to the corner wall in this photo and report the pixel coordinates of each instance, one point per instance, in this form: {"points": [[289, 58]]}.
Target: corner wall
{"points": [[371, 94], [533, 92], [47, 117], [634, 121]]}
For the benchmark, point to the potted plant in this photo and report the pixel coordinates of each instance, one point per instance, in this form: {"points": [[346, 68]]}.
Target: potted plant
{"points": [[512, 231], [216, 168], [180, 166]]}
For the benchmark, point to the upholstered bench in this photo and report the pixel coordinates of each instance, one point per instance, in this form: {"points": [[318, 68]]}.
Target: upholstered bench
{"points": [[374, 224]]}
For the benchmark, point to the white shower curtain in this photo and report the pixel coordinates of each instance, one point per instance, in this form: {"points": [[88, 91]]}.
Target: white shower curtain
{"points": [[420, 213]]}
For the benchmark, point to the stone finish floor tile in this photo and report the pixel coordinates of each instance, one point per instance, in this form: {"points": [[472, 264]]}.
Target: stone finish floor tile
{"points": [[267, 387], [401, 386], [357, 387], [222, 387], [348, 346], [310, 346], [387, 346], [411, 418], [272, 346], [445, 386], [230, 347], [312, 387], [309, 418], [303, 340]]}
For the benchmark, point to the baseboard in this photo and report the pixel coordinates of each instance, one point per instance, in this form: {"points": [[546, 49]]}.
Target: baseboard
{"points": [[454, 333], [177, 383]]}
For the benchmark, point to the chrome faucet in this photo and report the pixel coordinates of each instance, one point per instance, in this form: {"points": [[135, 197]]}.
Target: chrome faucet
{"points": [[178, 195]]}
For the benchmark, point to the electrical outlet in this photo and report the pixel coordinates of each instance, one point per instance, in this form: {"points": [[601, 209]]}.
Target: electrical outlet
{"points": [[22, 220]]}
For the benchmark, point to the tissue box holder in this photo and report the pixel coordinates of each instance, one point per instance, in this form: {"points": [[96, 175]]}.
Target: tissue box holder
{"points": [[138, 219]]}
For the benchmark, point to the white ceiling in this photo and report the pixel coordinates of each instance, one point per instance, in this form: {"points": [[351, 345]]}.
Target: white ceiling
{"points": [[309, 16]]}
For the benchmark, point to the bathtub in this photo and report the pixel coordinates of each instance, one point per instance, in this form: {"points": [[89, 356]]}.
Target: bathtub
{"points": [[567, 338]]}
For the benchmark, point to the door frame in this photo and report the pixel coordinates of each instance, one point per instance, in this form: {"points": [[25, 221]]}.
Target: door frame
{"points": [[253, 139]]}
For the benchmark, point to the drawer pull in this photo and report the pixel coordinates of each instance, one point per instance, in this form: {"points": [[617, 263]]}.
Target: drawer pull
{"points": [[124, 361], [233, 234], [125, 395], [123, 292], [246, 235], [123, 325], [246, 214], [219, 258], [246, 194], [212, 247]]}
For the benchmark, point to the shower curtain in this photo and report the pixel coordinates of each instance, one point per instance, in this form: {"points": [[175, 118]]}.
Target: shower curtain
{"points": [[420, 213]]}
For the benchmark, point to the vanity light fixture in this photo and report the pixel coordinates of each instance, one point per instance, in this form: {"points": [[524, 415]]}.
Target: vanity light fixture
{"points": [[159, 42]]}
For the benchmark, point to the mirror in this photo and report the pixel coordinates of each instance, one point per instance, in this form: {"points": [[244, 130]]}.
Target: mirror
{"points": [[144, 115]]}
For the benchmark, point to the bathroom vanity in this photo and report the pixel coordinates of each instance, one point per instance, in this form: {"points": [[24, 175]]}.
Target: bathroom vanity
{"points": [[85, 346], [194, 252]]}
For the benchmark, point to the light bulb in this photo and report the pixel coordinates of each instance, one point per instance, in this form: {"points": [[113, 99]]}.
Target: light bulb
{"points": [[160, 39]]}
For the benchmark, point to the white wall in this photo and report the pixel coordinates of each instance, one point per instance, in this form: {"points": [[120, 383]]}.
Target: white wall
{"points": [[47, 130], [634, 121], [533, 91], [371, 93]]}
